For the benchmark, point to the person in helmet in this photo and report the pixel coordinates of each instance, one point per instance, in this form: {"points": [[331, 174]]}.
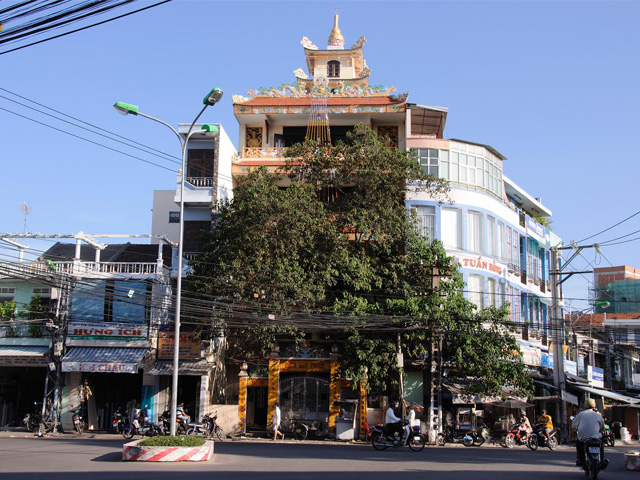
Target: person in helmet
{"points": [[589, 424], [392, 422]]}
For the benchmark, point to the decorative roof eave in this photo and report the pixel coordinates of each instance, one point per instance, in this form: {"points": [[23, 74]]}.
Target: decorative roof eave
{"points": [[302, 109], [340, 90]]}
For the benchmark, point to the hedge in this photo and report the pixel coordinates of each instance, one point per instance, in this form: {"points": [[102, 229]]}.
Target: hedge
{"points": [[175, 441]]}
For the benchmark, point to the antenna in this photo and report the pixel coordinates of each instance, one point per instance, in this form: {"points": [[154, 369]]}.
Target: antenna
{"points": [[26, 209]]}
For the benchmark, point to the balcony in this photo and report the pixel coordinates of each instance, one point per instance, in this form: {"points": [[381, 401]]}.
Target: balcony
{"points": [[263, 152], [84, 269], [201, 182]]}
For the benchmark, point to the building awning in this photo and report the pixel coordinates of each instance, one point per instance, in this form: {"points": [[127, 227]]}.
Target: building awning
{"points": [[610, 395], [103, 359], [184, 368], [23, 355]]}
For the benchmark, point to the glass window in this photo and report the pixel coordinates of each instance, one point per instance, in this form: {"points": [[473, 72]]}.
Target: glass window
{"points": [[492, 291], [426, 221], [174, 217], [491, 236], [500, 242], [428, 158], [475, 232], [333, 68], [451, 227], [476, 290]]}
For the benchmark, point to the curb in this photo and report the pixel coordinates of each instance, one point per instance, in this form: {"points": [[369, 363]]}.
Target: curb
{"points": [[131, 452]]}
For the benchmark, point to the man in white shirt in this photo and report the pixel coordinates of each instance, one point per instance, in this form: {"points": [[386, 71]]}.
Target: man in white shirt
{"points": [[277, 417], [393, 423], [589, 424]]}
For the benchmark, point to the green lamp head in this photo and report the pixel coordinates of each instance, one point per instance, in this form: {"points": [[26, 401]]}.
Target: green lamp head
{"points": [[212, 97], [125, 108]]}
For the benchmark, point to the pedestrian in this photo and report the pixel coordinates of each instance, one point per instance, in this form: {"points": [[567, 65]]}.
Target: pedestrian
{"points": [[276, 423]]}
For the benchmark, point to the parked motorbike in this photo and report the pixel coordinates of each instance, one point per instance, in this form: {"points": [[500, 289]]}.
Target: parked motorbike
{"points": [[449, 435], [536, 438], [78, 421], [608, 437], [383, 438], [120, 420], [516, 436], [208, 428]]}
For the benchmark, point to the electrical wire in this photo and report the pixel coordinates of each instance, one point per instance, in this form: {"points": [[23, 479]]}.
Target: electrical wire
{"points": [[610, 228]]}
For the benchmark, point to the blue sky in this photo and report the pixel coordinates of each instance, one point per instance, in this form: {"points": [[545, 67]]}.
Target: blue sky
{"points": [[551, 85]]}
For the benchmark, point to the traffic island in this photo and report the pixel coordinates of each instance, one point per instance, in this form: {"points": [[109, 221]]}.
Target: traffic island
{"points": [[133, 452]]}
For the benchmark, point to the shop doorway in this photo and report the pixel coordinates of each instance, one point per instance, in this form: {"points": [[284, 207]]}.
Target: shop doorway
{"points": [[189, 393], [306, 398], [20, 389], [110, 391], [257, 408]]}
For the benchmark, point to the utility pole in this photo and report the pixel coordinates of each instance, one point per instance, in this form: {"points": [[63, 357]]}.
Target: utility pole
{"points": [[557, 321]]}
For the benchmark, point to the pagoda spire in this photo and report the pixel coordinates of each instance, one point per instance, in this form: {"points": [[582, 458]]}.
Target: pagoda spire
{"points": [[336, 40]]}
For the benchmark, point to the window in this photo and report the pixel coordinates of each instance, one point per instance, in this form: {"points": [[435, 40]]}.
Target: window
{"points": [[333, 68], [200, 163], [491, 237], [475, 232], [426, 221], [451, 227], [43, 292], [428, 158], [500, 242], [492, 291], [473, 165], [174, 217], [513, 246], [476, 290]]}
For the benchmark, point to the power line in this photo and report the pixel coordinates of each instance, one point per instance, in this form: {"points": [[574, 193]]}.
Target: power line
{"points": [[611, 227]]}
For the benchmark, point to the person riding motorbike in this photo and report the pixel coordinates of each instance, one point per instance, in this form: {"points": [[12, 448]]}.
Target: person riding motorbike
{"points": [[393, 423], [546, 420], [524, 425], [181, 414], [589, 424]]}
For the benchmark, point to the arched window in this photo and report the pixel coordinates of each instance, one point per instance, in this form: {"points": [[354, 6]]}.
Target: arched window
{"points": [[333, 68]]}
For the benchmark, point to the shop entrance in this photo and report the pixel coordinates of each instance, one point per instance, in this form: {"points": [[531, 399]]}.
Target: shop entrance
{"points": [[20, 388], [257, 407], [110, 391], [305, 397]]}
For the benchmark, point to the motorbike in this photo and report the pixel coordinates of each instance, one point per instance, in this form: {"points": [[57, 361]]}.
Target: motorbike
{"points": [[78, 421], [467, 438], [592, 463], [165, 421], [608, 437], [208, 428], [384, 437], [516, 436], [141, 426], [120, 420], [31, 421], [536, 438]]}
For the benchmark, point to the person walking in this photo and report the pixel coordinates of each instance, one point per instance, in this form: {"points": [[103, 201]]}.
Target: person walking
{"points": [[277, 417]]}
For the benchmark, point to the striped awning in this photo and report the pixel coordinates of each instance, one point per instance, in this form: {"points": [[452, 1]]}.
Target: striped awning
{"points": [[103, 359], [23, 355], [184, 368]]}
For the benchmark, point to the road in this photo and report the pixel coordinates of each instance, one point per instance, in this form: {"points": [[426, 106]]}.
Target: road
{"points": [[98, 458]]}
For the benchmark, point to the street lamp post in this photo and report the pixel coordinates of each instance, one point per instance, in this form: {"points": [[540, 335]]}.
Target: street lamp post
{"points": [[127, 109]]}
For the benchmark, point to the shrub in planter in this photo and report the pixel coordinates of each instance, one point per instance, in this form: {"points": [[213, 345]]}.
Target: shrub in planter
{"points": [[175, 441]]}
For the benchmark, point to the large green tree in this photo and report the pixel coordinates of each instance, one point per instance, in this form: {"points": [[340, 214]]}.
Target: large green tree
{"points": [[338, 239]]}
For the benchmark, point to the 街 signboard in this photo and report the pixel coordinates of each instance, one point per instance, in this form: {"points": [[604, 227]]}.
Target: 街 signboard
{"points": [[100, 367], [106, 331], [190, 346]]}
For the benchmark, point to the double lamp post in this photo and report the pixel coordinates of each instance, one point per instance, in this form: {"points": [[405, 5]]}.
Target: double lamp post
{"points": [[212, 98]]}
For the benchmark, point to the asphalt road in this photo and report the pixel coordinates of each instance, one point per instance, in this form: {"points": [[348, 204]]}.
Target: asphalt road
{"points": [[98, 458]]}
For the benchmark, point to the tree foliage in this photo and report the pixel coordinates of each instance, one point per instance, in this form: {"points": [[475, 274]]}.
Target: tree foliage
{"points": [[339, 239]]}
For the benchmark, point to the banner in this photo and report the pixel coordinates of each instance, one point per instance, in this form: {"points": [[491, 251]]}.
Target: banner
{"points": [[190, 346]]}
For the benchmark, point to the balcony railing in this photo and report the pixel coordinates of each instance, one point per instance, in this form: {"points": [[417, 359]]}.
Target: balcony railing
{"points": [[263, 152], [201, 181], [79, 268]]}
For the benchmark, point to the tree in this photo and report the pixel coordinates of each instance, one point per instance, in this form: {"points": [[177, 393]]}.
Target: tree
{"points": [[339, 240]]}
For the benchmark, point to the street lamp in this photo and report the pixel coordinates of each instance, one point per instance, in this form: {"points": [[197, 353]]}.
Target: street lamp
{"points": [[123, 108]]}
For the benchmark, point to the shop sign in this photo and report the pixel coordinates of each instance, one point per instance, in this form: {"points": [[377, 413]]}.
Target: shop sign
{"points": [[595, 375], [534, 227], [531, 356], [190, 346], [480, 263], [571, 367], [100, 367], [106, 331], [24, 361], [547, 360]]}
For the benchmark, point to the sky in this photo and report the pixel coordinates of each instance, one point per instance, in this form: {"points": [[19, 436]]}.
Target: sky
{"points": [[552, 85]]}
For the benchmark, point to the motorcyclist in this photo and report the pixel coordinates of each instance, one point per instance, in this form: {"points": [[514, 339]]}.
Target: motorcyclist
{"points": [[547, 423], [589, 424], [393, 423], [181, 414], [524, 425]]}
